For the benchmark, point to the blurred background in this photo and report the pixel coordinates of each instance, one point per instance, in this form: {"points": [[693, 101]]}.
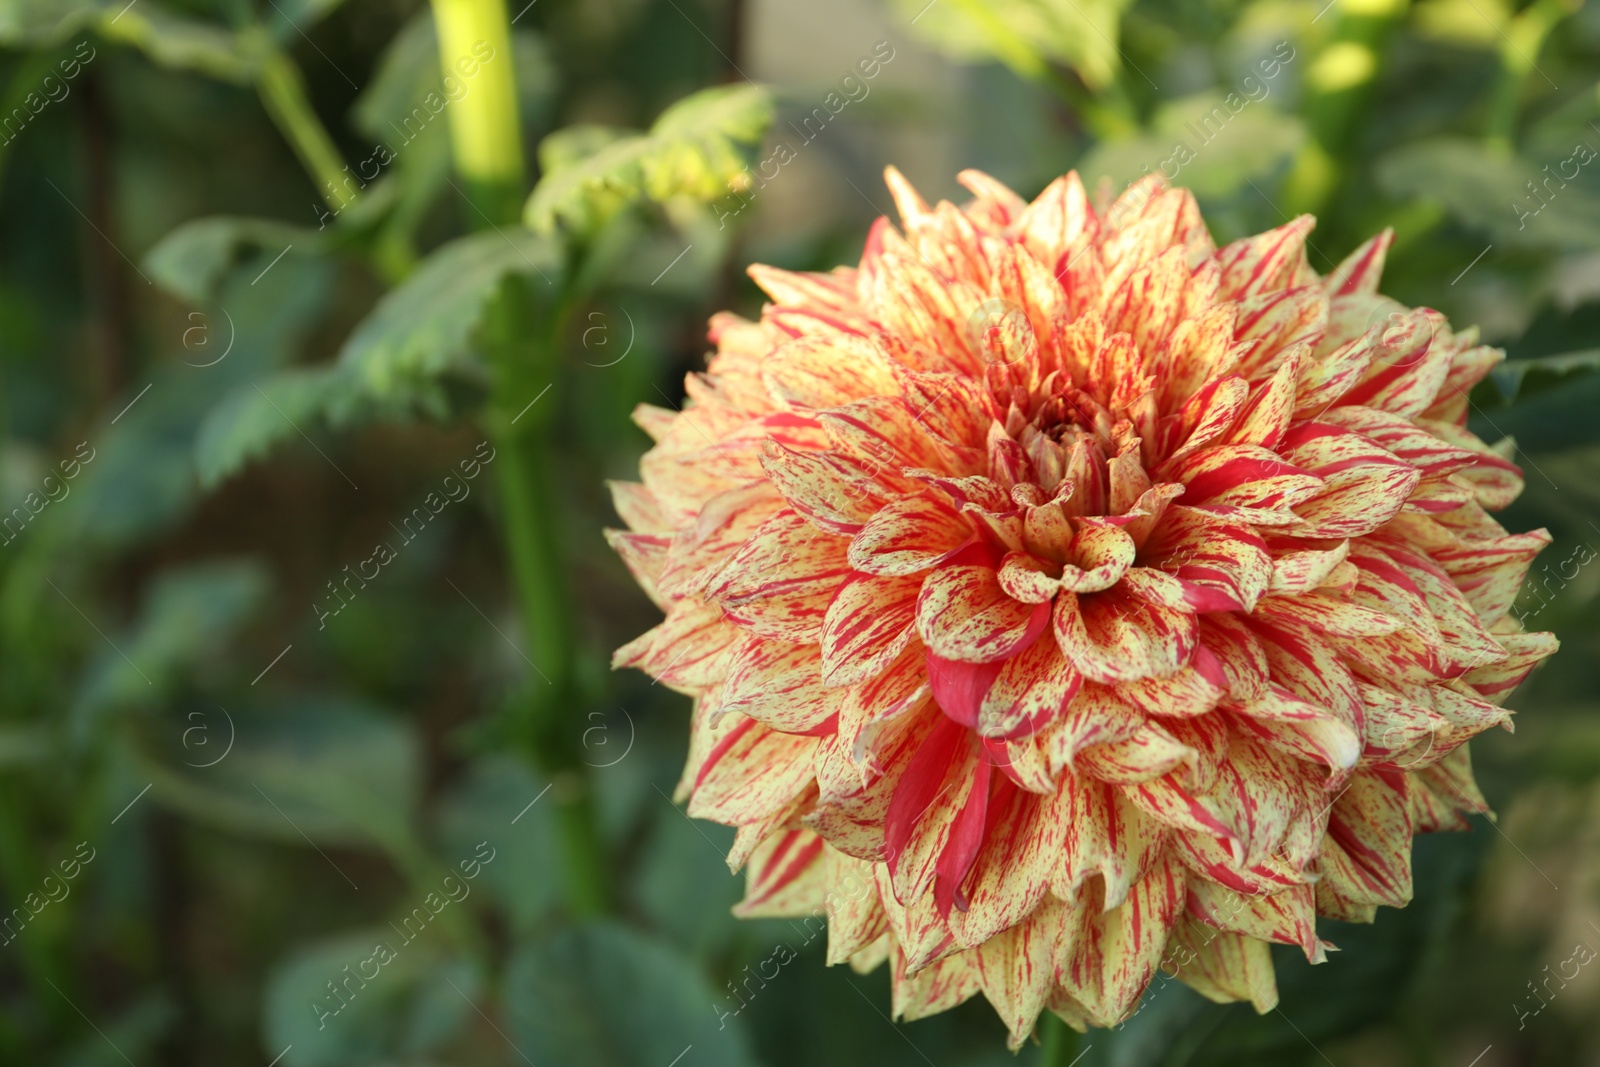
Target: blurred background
{"points": [[309, 750]]}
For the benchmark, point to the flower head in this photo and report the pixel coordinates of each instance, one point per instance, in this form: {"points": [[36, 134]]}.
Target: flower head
{"points": [[1063, 597]]}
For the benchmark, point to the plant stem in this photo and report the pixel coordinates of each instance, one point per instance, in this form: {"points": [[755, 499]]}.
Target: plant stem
{"points": [[252, 56], [522, 343], [283, 91], [1060, 1042], [485, 134]]}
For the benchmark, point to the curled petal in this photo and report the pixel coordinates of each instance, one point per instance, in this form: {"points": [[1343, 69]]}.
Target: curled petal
{"points": [[1114, 637], [964, 614]]}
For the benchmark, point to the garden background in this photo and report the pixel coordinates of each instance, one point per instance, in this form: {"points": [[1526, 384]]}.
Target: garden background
{"points": [[307, 412]]}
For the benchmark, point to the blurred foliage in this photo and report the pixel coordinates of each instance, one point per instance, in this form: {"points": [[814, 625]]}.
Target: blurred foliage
{"points": [[267, 657]]}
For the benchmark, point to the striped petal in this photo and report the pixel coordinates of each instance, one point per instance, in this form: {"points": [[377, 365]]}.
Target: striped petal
{"points": [[868, 624], [964, 614], [1114, 637], [1117, 952]]}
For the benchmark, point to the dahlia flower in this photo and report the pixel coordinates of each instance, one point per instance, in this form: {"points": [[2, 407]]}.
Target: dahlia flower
{"points": [[1064, 598]]}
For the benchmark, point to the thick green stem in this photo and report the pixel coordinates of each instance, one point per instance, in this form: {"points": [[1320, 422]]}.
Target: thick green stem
{"points": [[538, 570], [283, 91], [485, 134], [1060, 1042], [522, 346], [1519, 50]]}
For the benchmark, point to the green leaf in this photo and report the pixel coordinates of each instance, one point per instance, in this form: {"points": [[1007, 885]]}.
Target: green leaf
{"points": [[1495, 192], [142, 479], [193, 260], [1025, 35], [1210, 143], [497, 792], [414, 1004], [254, 420], [35, 23], [572, 145], [1546, 404], [425, 326], [393, 364], [605, 996], [698, 148], [407, 71], [1524, 377], [189, 616], [684, 884], [324, 770], [703, 141]]}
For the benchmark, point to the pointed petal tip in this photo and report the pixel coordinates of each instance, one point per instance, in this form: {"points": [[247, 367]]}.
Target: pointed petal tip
{"points": [[907, 201]]}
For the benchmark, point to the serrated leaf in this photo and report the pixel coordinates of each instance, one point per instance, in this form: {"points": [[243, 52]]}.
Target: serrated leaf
{"points": [[253, 420], [250, 422], [1546, 404], [142, 479], [573, 144], [1026, 35], [391, 366], [697, 148], [604, 996], [425, 325], [703, 141]]}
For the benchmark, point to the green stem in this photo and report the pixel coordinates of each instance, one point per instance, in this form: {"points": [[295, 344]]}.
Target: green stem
{"points": [[522, 349], [251, 56], [485, 133], [1060, 1042], [283, 91], [1519, 49]]}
